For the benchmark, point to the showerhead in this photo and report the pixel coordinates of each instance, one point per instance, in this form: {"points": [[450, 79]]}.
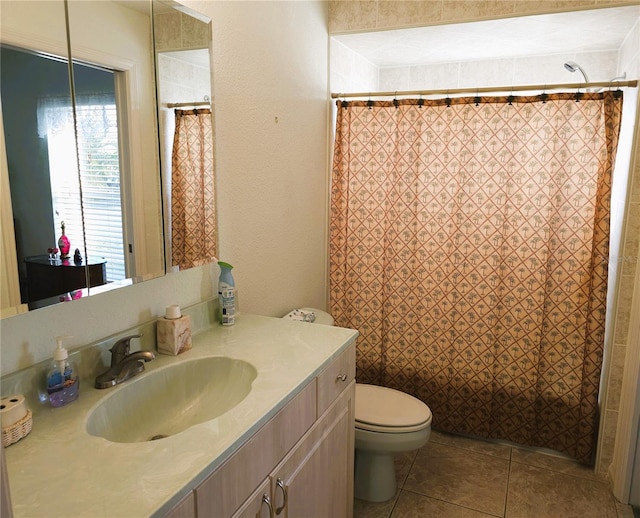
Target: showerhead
{"points": [[572, 66]]}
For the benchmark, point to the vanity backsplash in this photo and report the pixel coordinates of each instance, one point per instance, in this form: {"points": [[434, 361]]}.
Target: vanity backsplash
{"points": [[93, 358]]}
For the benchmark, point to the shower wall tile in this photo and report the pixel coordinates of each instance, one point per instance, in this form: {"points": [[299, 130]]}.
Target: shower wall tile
{"points": [[631, 246], [600, 66], [167, 32], [485, 73], [350, 72], [607, 442], [625, 295], [354, 15], [349, 15], [394, 78], [176, 31], [616, 371], [549, 6], [628, 60], [434, 77], [458, 10], [635, 182], [195, 34], [403, 13]]}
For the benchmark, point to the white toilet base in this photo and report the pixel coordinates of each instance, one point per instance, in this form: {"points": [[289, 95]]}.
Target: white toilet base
{"points": [[375, 472], [375, 476]]}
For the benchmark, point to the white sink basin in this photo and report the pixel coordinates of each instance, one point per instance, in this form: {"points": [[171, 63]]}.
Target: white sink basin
{"points": [[171, 399]]}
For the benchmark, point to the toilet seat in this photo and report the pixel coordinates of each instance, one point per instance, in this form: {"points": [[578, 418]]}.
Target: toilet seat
{"points": [[381, 409]]}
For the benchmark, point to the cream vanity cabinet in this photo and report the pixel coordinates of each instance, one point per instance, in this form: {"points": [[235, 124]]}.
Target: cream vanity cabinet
{"points": [[298, 465]]}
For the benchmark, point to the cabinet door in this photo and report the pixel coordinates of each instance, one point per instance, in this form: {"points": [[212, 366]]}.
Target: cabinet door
{"points": [[258, 505], [227, 488], [316, 478]]}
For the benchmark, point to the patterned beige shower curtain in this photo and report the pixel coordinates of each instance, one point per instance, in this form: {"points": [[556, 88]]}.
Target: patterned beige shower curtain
{"points": [[469, 246], [193, 210]]}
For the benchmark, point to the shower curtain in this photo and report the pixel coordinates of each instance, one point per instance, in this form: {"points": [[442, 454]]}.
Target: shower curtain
{"points": [[193, 214], [469, 246]]}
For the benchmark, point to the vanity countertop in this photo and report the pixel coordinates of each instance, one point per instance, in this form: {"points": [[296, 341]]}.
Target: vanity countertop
{"points": [[61, 470]]}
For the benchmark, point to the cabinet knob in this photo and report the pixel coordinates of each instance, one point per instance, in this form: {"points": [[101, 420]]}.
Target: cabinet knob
{"points": [[280, 484], [267, 500], [342, 377]]}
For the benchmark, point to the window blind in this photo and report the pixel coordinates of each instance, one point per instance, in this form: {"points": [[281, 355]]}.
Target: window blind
{"points": [[100, 173]]}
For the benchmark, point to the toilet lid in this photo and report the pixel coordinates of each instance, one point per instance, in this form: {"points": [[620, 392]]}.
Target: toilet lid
{"points": [[385, 409]]}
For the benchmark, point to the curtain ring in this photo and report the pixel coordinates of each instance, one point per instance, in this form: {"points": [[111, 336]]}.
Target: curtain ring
{"points": [[543, 96]]}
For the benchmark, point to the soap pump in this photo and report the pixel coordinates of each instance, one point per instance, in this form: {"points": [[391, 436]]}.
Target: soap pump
{"points": [[63, 382]]}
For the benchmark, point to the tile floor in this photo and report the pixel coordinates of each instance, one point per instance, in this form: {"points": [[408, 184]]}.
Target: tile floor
{"points": [[459, 477]]}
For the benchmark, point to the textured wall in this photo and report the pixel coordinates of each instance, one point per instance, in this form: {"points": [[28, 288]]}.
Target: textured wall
{"points": [[270, 86]]}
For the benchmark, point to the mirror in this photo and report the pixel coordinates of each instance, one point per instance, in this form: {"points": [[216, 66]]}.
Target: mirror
{"points": [[120, 209], [185, 116]]}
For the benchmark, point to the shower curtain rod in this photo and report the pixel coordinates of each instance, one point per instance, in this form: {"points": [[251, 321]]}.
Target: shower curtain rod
{"points": [[491, 89], [182, 105]]}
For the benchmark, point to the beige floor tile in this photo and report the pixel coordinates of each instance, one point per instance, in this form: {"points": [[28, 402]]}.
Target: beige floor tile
{"points": [[488, 448], [553, 463], [460, 476], [363, 509], [403, 462], [624, 511], [535, 492], [413, 505]]}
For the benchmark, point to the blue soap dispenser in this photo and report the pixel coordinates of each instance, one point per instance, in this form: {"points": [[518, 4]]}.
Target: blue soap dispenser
{"points": [[63, 382]]}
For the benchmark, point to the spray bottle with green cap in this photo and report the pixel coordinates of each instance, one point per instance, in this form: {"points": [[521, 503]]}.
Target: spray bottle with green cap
{"points": [[226, 295]]}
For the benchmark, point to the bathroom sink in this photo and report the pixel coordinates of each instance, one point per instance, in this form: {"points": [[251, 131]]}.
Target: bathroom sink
{"points": [[171, 399]]}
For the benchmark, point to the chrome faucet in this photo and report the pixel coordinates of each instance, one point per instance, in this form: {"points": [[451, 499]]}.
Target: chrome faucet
{"points": [[124, 365]]}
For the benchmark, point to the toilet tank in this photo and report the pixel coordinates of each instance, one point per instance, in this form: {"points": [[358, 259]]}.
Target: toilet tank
{"points": [[321, 317]]}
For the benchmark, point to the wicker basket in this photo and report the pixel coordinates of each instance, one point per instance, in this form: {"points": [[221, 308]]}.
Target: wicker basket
{"points": [[17, 430]]}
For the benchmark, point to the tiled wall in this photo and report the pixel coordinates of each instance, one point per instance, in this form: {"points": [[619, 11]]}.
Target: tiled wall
{"points": [[545, 69], [178, 31], [350, 72], [629, 61], [360, 16], [357, 16]]}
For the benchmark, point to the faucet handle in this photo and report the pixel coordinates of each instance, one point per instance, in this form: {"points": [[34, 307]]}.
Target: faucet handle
{"points": [[121, 349]]}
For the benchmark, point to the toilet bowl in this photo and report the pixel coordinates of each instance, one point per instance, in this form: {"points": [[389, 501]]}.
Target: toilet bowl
{"points": [[387, 421]]}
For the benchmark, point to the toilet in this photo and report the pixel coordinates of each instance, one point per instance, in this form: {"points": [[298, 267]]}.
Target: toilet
{"points": [[387, 422]]}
